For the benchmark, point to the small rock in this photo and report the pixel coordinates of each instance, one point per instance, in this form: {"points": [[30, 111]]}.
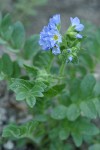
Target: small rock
{"points": [[9, 145]]}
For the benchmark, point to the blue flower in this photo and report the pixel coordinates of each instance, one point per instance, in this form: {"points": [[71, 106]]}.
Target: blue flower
{"points": [[54, 37], [44, 42], [56, 50], [55, 20], [50, 36], [68, 50], [79, 36], [76, 22], [70, 58]]}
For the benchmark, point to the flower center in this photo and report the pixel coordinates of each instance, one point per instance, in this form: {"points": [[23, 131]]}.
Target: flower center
{"points": [[55, 37]]}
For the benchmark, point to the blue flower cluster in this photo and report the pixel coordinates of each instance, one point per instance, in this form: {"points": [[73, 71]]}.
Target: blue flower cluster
{"points": [[50, 37], [75, 22], [74, 31]]}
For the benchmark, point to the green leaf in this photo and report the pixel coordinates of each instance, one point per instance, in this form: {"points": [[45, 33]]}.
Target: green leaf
{"points": [[18, 132], [18, 36], [73, 112], [11, 131], [16, 69], [26, 90], [82, 127], [31, 101], [88, 109], [7, 67], [59, 112], [53, 133], [31, 47], [6, 27], [87, 85], [68, 146], [87, 128], [2, 76], [42, 59], [75, 90], [6, 21], [94, 147], [87, 60], [33, 71], [37, 94], [97, 105], [75, 85], [21, 95], [54, 90], [63, 134], [77, 139], [97, 89], [41, 118]]}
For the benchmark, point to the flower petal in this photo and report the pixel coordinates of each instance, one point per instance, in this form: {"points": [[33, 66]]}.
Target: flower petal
{"points": [[70, 58], [55, 20], [56, 50], [79, 36], [75, 21], [79, 27]]}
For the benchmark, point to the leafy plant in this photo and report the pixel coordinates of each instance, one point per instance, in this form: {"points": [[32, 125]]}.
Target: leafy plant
{"points": [[64, 97]]}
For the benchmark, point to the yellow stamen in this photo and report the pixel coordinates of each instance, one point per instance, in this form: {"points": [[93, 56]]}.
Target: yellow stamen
{"points": [[55, 37]]}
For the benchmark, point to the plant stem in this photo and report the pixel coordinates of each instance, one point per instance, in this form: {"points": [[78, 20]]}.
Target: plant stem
{"points": [[50, 65], [62, 68]]}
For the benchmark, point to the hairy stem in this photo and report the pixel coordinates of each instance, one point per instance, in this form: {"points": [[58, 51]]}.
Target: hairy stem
{"points": [[62, 69]]}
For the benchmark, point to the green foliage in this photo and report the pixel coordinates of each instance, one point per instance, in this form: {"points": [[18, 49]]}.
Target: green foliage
{"points": [[59, 112], [26, 90], [87, 85], [83, 128], [6, 29], [73, 112], [12, 35], [23, 131], [18, 35], [5, 63], [88, 109], [64, 100], [31, 47], [8, 68]]}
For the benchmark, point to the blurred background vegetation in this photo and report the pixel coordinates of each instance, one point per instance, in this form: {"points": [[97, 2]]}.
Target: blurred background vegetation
{"points": [[35, 13], [21, 8]]}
